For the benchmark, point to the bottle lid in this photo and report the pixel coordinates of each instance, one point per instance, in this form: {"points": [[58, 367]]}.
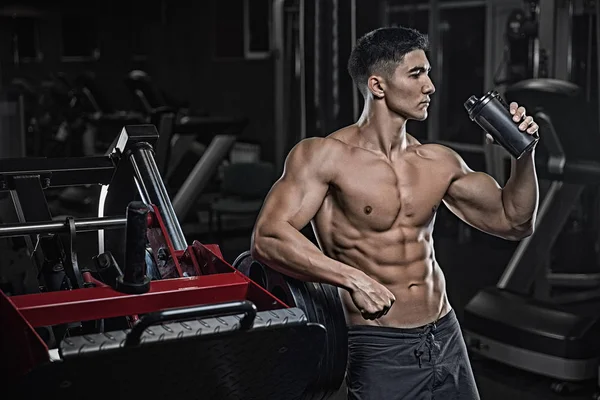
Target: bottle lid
{"points": [[470, 105], [473, 105]]}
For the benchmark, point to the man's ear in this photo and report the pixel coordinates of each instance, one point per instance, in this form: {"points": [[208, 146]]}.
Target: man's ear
{"points": [[376, 86]]}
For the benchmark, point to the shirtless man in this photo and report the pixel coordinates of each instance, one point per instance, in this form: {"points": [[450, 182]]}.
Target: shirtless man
{"points": [[371, 192]]}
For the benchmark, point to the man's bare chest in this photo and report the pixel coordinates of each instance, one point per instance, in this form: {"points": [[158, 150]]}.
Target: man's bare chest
{"points": [[381, 196]]}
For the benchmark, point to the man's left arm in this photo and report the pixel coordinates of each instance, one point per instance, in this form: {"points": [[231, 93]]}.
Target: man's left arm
{"points": [[477, 199]]}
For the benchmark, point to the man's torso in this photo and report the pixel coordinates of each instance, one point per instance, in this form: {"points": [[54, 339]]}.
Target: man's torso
{"points": [[378, 216]]}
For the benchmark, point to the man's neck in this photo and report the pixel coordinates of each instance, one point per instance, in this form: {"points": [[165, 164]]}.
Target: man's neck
{"points": [[381, 130]]}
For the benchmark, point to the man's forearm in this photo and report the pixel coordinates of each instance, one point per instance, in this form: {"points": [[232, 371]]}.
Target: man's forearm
{"points": [[520, 195], [285, 249]]}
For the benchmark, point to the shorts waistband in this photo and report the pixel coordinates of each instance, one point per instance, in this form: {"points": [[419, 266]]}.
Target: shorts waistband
{"points": [[444, 321]]}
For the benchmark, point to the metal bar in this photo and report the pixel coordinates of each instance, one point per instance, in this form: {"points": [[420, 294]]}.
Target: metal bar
{"points": [[597, 52], [556, 159], [533, 252], [563, 54], [353, 38], [301, 33], [334, 57], [53, 308], [435, 58], [317, 104], [277, 41], [81, 225], [22, 128], [546, 32], [204, 169], [153, 191], [524, 245], [491, 163], [31, 205], [67, 171], [163, 144], [442, 6]]}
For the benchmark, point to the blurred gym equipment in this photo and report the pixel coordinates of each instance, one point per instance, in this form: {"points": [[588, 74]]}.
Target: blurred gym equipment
{"points": [[217, 136], [221, 334], [543, 315]]}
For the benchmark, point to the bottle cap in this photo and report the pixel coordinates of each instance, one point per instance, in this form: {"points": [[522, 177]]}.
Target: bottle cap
{"points": [[470, 105]]}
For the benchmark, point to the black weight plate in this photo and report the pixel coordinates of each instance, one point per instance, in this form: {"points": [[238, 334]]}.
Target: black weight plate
{"points": [[321, 304]]}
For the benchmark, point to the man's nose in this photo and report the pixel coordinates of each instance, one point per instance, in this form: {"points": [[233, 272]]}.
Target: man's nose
{"points": [[429, 88]]}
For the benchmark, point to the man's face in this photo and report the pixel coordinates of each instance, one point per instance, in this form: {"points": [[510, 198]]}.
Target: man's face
{"points": [[408, 90]]}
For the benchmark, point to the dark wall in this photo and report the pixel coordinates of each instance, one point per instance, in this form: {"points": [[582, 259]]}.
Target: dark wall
{"points": [[178, 42], [335, 108]]}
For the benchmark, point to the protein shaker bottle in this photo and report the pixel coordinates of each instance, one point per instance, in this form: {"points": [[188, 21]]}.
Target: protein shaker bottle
{"points": [[492, 114]]}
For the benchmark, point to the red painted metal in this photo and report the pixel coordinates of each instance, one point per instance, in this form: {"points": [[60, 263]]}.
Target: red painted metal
{"points": [[214, 264], [88, 278], [215, 249], [88, 304], [211, 280], [209, 261], [191, 254], [21, 348]]}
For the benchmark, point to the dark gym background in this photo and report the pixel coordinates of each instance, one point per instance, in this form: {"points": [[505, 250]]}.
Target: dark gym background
{"points": [[281, 66]]}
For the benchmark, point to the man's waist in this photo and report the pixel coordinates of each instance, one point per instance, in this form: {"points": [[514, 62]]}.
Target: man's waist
{"points": [[447, 320]]}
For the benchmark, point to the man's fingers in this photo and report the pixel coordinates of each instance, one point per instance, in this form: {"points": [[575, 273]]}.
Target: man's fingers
{"points": [[513, 108], [533, 128], [519, 114], [526, 122]]}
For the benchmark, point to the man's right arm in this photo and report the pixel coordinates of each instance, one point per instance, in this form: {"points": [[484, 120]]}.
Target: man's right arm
{"points": [[290, 205]]}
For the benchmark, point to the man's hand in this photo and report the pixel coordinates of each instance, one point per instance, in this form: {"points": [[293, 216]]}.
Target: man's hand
{"points": [[527, 123], [372, 299]]}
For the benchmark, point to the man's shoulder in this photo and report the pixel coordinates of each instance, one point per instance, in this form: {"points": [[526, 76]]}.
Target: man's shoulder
{"points": [[439, 152], [443, 156], [317, 154], [318, 147]]}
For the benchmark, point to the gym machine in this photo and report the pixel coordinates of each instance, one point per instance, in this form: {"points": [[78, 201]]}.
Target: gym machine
{"points": [[535, 318], [152, 316], [216, 134]]}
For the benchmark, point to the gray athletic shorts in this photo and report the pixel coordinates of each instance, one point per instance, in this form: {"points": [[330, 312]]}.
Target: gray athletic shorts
{"points": [[428, 362]]}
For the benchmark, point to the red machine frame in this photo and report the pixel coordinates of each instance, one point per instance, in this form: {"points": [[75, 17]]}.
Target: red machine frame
{"points": [[213, 281]]}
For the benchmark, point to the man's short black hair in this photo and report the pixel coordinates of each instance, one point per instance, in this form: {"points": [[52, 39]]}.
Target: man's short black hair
{"points": [[380, 51]]}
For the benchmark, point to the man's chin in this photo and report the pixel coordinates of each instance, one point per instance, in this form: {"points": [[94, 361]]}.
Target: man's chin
{"points": [[421, 116]]}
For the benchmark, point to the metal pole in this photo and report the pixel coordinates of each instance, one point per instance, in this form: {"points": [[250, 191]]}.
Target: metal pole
{"points": [[546, 32], [598, 44], [279, 96], [355, 110], [435, 56], [153, 191], [301, 33], [443, 6], [81, 225], [204, 169], [563, 56]]}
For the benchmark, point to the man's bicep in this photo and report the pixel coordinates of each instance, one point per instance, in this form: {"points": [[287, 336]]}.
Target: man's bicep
{"points": [[298, 195], [475, 190], [475, 197], [294, 201]]}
